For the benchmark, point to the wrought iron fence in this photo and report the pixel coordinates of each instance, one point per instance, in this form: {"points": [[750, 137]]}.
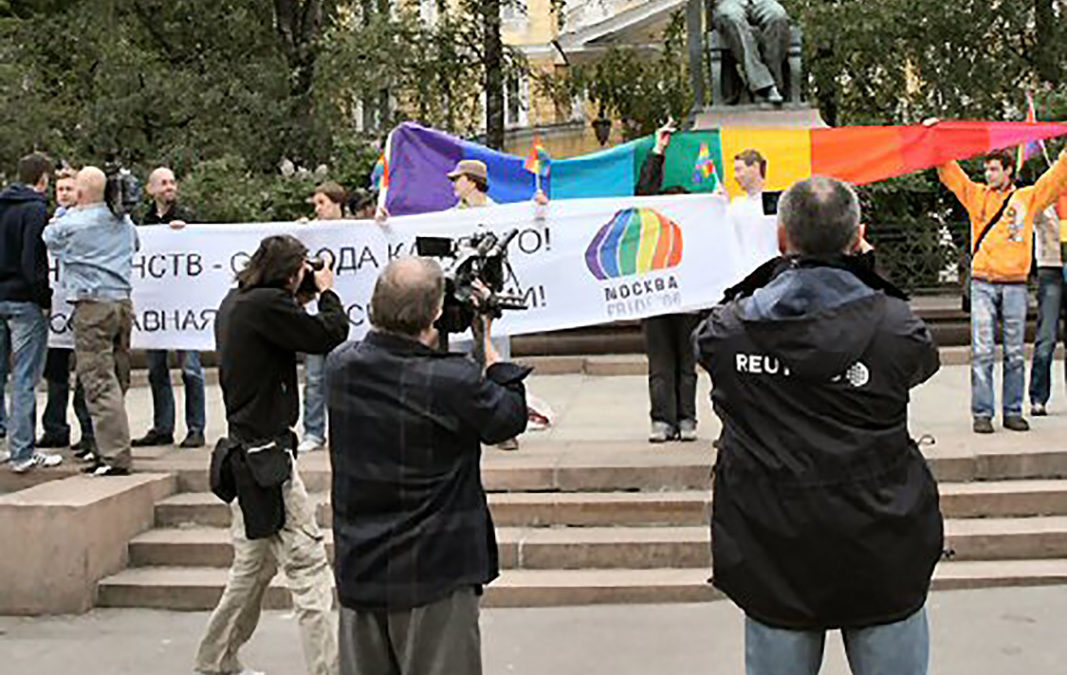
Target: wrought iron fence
{"points": [[922, 255]]}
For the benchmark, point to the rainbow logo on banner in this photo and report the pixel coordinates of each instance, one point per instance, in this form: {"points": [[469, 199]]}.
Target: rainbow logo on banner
{"points": [[636, 241]]}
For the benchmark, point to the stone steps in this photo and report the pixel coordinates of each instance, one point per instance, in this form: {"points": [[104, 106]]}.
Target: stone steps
{"points": [[199, 588], [635, 466], [583, 522], [999, 499], [566, 548]]}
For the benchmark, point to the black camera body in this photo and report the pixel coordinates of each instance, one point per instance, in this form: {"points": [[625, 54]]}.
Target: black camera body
{"points": [[307, 288], [122, 192], [482, 256]]}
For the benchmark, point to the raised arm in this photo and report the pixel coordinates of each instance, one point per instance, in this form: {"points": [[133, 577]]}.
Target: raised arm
{"points": [[954, 178], [56, 235], [1051, 185], [287, 325], [495, 404]]}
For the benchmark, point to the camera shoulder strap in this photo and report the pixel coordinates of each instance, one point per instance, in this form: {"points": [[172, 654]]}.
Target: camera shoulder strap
{"points": [[993, 221]]}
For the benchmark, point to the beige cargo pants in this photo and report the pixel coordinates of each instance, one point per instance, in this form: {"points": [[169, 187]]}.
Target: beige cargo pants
{"points": [[299, 550], [102, 361]]}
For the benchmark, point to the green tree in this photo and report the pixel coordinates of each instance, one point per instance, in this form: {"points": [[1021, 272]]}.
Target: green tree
{"points": [[640, 88]]}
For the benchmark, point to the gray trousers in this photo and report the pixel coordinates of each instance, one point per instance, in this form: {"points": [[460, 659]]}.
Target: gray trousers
{"points": [[757, 32], [441, 638]]}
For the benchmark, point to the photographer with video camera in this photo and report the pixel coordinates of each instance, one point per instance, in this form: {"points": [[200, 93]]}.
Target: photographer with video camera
{"points": [[414, 537], [259, 329], [95, 243]]}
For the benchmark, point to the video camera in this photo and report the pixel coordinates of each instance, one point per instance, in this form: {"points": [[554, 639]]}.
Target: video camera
{"points": [[123, 191], [483, 257]]}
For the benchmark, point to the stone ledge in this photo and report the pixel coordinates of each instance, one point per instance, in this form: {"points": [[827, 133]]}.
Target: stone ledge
{"points": [[64, 536]]}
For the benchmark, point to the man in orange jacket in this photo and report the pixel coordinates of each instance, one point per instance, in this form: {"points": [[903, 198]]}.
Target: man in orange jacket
{"points": [[1002, 235]]}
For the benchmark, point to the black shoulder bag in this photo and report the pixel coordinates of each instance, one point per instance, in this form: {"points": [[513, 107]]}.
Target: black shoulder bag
{"points": [[991, 223]]}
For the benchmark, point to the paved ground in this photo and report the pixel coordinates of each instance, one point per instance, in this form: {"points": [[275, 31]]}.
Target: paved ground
{"points": [[594, 408], [974, 632], [989, 631]]}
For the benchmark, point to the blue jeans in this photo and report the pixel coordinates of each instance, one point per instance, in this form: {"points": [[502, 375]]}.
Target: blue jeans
{"points": [[5, 353], [991, 302], [163, 392], [901, 648], [1049, 305], [315, 396], [27, 326]]}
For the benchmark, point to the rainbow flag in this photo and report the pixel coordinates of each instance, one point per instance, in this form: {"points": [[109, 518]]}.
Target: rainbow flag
{"points": [[1028, 150], [379, 177], [418, 159], [704, 170], [537, 162]]}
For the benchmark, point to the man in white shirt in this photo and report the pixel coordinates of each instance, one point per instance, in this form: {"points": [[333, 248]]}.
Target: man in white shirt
{"points": [[757, 231]]}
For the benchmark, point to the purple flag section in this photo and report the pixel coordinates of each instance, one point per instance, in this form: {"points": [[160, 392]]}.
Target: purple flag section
{"points": [[419, 159]]}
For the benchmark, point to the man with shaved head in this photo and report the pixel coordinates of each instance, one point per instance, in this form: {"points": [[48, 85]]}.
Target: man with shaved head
{"points": [[825, 514], [414, 538], [96, 248], [165, 210]]}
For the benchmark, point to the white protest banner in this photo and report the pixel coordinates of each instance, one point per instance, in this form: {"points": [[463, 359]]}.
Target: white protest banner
{"points": [[576, 262]]}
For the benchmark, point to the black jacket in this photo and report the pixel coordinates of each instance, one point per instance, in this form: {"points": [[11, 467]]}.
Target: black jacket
{"points": [[258, 333], [23, 256], [650, 182], [825, 513], [410, 519], [175, 212]]}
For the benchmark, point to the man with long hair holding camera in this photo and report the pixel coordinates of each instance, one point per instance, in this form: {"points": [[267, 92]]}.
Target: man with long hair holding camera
{"points": [[95, 244], [259, 329], [414, 536]]}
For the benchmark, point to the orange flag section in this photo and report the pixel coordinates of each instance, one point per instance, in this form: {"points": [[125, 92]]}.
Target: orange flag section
{"points": [[868, 154]]}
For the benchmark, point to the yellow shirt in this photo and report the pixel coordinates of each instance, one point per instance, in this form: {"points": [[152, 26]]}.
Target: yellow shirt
{"points": [[1005, 255]]}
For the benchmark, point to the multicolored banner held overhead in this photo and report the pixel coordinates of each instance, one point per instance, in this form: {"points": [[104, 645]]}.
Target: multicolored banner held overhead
{"points": [[417, 159]]}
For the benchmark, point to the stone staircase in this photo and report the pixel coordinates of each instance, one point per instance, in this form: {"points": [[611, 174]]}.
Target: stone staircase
{"points": [[618, 522]]}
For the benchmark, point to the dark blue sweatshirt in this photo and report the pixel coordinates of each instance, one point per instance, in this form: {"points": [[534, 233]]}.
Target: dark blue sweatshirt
{"points": [[23, 256]]}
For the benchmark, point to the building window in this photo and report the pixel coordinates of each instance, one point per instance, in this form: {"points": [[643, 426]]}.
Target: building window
{"points": [[516, 102], [513, 13]]}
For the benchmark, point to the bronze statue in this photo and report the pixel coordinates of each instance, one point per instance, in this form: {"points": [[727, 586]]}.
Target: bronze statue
{"points": [[757, 33]]}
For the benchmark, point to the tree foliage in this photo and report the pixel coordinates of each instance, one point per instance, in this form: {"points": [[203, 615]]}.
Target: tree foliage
{"points": [[900, 60], [638, 87], [241, 85]]}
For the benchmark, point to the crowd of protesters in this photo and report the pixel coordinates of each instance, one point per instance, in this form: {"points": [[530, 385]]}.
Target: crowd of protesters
{"points": [[94, 249], [825, 514]]}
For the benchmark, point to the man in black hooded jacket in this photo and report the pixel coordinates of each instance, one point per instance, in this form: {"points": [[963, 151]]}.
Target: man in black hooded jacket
{"points": [[825, 514]]}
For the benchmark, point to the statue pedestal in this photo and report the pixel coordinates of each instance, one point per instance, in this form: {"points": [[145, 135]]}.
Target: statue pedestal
{"points": [[758, 115]]}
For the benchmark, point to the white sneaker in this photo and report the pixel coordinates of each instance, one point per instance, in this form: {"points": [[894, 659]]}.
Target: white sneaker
{"points": [[38, 459], [311, 444]]}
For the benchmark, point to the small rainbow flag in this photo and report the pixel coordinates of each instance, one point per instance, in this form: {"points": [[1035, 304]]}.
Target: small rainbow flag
{"points": [[538, 161], [704, 169], [1028, 150], [379, 177]]}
